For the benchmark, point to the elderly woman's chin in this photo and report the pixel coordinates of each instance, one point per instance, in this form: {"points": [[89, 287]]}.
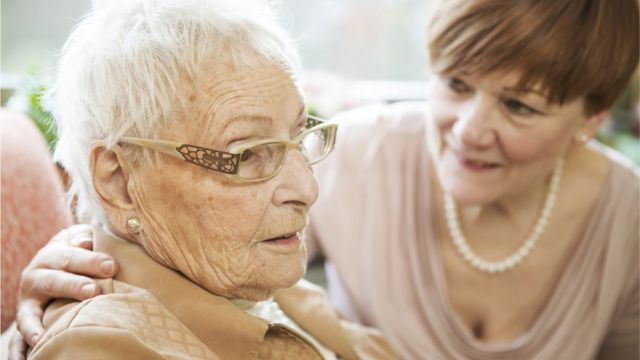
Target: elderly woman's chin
{"points": [[255, 277], [276, 271]]}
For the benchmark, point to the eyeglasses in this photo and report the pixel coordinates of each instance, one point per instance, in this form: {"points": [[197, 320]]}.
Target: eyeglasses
{"points": [[252, 161]]}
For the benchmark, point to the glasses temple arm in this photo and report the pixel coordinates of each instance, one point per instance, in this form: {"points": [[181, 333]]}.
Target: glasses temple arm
{"points": [[166, 147]]}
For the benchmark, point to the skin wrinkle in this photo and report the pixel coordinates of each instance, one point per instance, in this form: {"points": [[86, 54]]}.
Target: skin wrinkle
{"points": [[273, 91], [153, 248], [209, 227], [181, 244], [189, 265]]}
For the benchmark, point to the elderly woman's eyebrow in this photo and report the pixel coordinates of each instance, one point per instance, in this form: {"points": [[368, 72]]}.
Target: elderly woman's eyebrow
{"points": [[302, 112], [252, 118], [302, 116], [268, 120]]}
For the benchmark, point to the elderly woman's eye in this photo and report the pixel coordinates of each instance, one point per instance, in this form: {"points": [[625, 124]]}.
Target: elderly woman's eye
{"points": [[246, 155], [519, 108], [458, 86]]}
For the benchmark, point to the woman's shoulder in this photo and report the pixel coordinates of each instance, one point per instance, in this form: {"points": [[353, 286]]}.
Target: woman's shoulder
{"points": [[128, 323], [616, 216], [382, 120], [624, 175], [616, 181], [371, 132]]}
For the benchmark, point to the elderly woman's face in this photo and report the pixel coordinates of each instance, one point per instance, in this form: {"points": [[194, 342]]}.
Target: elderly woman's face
{"points": [[238, 240]]}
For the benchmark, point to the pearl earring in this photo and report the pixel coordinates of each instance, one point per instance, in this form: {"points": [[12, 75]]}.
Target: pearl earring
{"points": [[583, 138], [134, 225]]}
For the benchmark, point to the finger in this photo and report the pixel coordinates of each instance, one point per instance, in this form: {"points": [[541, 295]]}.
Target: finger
{"points": [[67, 236], [46, 284], [81, 236], [17, 347], [75, 260], [86, 244], [29, 321]]}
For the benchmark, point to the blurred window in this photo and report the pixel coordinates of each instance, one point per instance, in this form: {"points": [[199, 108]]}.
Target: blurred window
{"points": [[354, 39]]}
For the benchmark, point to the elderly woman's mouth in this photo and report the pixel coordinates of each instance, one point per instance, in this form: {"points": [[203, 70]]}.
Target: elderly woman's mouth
{"points": [[287, 239]]}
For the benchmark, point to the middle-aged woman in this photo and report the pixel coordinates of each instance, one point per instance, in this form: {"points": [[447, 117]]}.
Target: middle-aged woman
{"points": [[485, 224], [185, 134]]}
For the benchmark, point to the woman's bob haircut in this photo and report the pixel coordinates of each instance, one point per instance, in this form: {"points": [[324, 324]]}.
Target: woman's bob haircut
{"points": [[569, 48]]}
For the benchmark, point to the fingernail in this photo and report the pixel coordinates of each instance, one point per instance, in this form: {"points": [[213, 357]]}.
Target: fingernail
{"points": [[79, 242], [88, 290], [86, 243], [107, 267]]}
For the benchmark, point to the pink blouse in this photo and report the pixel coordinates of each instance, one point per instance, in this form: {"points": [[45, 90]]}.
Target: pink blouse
{"points": [[373, 222]]}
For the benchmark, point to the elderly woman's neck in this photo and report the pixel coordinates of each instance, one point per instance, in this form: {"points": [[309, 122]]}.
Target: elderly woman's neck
{"points": [[251, 295], [216, 277], [221, 286]]}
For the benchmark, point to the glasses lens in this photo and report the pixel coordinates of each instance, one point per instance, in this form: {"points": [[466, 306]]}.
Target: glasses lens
{"points": [[261, 161], [316, 145]]}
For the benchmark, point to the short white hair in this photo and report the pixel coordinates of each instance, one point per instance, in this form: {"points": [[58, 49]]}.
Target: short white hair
{"points": [[121, 66]]}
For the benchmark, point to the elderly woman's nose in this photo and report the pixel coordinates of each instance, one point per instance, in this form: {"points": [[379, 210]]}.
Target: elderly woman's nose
{"points": [[474, 124], [297, 184]]}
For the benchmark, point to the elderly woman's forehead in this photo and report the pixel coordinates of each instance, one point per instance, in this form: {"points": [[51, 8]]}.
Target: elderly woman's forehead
{"points": [[226, 63], [246, 92], [220, 79]]}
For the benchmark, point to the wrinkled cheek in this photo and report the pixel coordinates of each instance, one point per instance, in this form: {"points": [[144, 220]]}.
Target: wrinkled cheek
{"points": [[240, 216]]}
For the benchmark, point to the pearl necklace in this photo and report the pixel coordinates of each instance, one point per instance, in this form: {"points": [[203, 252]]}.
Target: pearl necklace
{"points": [[492, 267]]}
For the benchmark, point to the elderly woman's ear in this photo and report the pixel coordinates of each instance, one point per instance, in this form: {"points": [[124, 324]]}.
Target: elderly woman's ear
{"points": [[110, 173]]}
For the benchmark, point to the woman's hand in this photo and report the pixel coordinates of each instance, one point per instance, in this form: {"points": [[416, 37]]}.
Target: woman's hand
{"points": [[61, 269]]}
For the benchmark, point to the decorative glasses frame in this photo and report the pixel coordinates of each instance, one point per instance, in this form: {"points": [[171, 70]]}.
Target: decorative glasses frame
{"points": [[228, 162]]}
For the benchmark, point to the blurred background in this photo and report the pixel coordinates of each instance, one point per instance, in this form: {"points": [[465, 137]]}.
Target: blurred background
{"points": [[357, 39], [355, 52]]}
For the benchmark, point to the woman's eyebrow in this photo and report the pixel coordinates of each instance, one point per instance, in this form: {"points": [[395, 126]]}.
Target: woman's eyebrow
{"points": [[302, 116], [252, 118], [261, 120], [302, 111], [524, 90]]}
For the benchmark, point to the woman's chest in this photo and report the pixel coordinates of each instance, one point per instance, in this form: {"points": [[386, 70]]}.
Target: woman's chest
{"points": [[501, 307]]}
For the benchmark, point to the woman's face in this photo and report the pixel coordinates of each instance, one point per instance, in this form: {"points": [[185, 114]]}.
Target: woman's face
{"points": [[490, 140], [238, 240]]}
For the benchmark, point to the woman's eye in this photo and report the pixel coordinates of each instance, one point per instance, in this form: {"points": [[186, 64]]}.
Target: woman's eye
{"points": [[297, 132], [458, 86], [246, 155], [517, 107]]}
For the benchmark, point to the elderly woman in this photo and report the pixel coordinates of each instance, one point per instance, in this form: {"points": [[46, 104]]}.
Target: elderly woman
{"points": [[485, 224], [185, 134]]}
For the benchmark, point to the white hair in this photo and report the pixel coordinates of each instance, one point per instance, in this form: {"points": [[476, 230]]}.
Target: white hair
{"points": [[120, 69]]}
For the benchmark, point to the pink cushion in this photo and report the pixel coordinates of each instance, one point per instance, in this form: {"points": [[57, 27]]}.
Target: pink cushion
{"points": [[33, 206]]}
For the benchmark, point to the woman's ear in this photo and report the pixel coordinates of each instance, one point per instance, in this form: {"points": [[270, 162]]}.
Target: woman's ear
{"points": [[590, 126], [110, 174]]}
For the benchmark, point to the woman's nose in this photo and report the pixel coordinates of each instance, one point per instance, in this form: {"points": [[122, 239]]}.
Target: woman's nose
{"points": [[297, 184], [474, 123]]}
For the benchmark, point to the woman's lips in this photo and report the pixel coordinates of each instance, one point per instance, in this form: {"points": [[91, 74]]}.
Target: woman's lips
{"points": [[475, 165], [284, 240]]}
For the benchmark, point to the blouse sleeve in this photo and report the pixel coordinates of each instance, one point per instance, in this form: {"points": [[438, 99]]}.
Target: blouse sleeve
{"points": [[97, 343], [623, 338]]}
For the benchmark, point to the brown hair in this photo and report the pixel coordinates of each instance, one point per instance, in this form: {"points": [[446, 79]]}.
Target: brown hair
{"points": [[572, 48]]}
